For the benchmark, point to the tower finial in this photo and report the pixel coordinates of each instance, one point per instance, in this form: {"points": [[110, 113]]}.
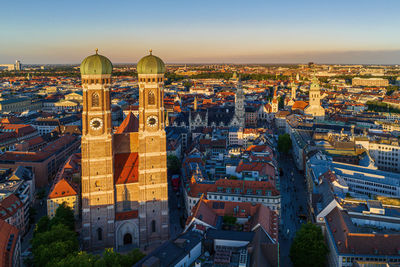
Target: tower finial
{"points": [[97, 50], [151, 51]]}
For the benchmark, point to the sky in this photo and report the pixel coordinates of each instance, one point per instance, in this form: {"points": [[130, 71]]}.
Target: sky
{"points": [[201, 31]]}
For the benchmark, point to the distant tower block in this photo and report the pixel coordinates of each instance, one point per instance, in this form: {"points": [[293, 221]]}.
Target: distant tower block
{"points": [[18, 65]]}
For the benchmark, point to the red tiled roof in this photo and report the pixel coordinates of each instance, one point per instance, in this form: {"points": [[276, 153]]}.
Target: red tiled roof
{"points": [[9, 206], [47, 151], [11, 120], [126, 168], [130, 124], [5, 236], [34, 141], [126, 215], [300, 105], [360, 243], [203, 188], [62, 188], [20, 129], [208, 211]]}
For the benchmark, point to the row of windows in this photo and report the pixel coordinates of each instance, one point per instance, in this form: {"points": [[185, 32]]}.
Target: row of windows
{"points": [[351, 259], [387, 148], [149, 80], [369, 183], [95, 81]]}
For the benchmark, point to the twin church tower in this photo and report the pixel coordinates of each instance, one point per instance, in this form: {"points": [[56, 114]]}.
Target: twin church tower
{"points": [[124, 171]]}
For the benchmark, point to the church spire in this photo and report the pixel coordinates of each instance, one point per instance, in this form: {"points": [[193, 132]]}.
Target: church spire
{"points": [[195, 103]]}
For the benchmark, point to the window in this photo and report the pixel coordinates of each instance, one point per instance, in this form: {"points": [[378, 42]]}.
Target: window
{"points": [[99, 234], [153, 226], [95, 100], [151, 98]]}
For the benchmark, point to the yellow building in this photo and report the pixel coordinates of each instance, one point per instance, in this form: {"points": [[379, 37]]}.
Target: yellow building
{"points": [[62, 192]]}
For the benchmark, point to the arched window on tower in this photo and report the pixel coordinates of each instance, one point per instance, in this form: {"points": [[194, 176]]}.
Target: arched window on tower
{"points": [[153, 226], [95, 100], [99, 234], [151, 98]]}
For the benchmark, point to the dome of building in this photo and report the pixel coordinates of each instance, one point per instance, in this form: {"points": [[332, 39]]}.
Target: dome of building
{"points": [[96, 64], [150, 65]]}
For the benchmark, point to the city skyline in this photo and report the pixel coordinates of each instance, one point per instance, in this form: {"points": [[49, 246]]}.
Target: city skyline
{"points": [[360, 32]]}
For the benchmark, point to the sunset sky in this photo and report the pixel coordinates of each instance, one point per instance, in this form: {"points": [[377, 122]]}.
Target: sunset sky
{"points": [[204, 31]]}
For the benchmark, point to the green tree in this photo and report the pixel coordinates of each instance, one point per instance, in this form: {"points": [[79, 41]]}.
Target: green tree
{"points": [[187, 84], [308, 247], [391, 89], [109, 258], [42, 225], [51, 246], [64, 215], [228, 219], [284, 143], [173, 164], [281, 102]]}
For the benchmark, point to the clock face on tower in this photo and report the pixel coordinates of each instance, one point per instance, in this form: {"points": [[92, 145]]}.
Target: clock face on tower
{"points": [[96, 123], [152, 121]]}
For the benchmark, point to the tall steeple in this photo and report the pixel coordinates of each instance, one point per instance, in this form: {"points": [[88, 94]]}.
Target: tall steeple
{"points": [[239, 105], [97, 154], [314, 107], [153, 186], [293, 87], [195, 103], [274, 104]]}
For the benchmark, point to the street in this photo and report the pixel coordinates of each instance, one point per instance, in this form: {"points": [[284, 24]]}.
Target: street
{"points": [[41, 210], [293, 205], [175, 213]]}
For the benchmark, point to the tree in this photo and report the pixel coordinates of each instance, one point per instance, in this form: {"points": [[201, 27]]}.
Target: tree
{"points": [[281, 102], [42, 225], [51, 246], [284, 143], [64, 215], [173, 164], [308, 247], [109, 258], [230, 220]]}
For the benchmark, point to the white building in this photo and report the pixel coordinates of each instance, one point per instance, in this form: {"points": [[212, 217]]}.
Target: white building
{"points": [[314, 107]]}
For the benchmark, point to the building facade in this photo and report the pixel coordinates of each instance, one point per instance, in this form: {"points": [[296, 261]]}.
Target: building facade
{"points": [[314, 108], [124, 174]]}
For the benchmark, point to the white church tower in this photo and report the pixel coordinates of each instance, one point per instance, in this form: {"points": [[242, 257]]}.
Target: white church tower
{"points": [[293, 87], [275, 104], [314, 107], [238, 118]]}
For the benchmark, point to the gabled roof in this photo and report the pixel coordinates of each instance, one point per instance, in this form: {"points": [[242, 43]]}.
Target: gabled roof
{"points": [[8, 241], [126, 167], [62, 189], [9, 206], [130, 124], [300, 105]]}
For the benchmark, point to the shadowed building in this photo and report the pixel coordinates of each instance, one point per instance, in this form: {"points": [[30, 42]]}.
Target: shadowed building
{"points": [[124, 174]]}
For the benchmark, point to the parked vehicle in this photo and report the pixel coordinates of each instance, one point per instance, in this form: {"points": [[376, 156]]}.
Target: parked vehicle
{"points": [[175, 181]]}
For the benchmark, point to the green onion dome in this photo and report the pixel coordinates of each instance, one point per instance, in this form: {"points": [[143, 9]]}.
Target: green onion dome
{"points": [[150, 65], [96, 64]]}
